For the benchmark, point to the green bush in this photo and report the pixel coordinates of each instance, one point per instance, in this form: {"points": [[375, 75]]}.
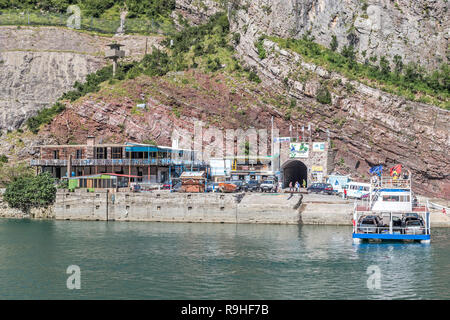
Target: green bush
{"points": [[31, 192], [323, 95], [253, 76], [3, 159], [260, 47], [44, 116]]}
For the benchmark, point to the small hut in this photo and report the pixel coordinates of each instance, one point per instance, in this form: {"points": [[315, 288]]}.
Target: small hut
{"points": [[193, 181]]}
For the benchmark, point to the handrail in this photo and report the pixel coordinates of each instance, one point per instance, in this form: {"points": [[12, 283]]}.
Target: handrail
{"points": [[114, 162], [423, 230]]}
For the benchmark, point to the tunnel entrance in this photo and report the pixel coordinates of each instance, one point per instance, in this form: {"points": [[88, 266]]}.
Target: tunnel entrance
{"points": [[293, 171]]}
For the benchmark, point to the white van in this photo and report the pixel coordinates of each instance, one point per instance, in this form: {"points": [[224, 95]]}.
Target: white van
{"points": [[357, 189]]}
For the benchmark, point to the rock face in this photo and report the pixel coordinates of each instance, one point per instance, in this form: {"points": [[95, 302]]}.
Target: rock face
{"points": [[197, 11], [367, 125], [415, 30], [38, 64]]}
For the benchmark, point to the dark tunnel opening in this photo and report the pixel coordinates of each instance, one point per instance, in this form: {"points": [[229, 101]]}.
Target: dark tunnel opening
{"points": [[294, 171]]}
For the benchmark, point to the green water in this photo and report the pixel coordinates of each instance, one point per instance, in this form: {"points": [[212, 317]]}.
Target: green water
{"points": [[120, 260]]}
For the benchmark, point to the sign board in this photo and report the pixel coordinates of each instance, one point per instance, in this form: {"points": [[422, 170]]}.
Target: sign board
{"points": [[282, 139], [299, 150], [318, 146], [316, 168]]}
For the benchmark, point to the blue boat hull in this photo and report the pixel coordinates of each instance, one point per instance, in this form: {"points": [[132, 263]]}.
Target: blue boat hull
{"points": [[387, 236]]}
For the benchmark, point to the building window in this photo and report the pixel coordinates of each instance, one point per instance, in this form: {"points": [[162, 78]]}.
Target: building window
{"points": [[100, 153], [55, 154], [79, 154], [116, 153]]}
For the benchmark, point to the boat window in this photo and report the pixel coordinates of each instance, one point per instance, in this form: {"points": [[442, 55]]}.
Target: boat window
{"points": [[391, 198], [404, 199]]}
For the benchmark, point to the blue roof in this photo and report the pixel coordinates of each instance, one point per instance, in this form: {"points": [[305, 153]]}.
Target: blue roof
{"points": [[394, 190]]}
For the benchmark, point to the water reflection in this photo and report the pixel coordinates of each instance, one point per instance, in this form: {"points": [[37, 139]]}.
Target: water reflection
{"points": [[213, 261]]}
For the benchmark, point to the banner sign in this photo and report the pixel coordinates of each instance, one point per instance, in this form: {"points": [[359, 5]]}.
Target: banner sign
{"points": [[282, 139], [299, 150], [319, 146]]}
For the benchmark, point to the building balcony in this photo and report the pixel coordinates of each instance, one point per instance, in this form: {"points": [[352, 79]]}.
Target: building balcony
{"points": [[113, 162]]}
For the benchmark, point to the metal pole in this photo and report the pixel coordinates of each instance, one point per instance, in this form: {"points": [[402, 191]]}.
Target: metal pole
{"points": [[272, 146]]}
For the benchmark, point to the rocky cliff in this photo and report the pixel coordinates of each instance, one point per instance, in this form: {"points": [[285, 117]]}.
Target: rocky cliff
{"points": [[367, 126], [417, 31], [38, 64]]}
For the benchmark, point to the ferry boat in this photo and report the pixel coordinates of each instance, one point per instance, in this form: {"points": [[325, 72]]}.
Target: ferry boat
{"points": [[390, 212]]}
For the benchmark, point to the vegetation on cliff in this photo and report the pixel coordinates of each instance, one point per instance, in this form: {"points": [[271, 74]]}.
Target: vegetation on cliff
{"points": [[206, 47], [410, 81], [97, 8]]}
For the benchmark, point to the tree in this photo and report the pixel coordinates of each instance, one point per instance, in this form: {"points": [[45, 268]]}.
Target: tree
{"points": [[334, 44], [385, 68], [398, 64], [31, 192]]}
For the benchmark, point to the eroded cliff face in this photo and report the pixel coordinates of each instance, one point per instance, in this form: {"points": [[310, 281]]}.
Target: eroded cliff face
{"points": [[368, 126], [38, 64], [417, 31]]}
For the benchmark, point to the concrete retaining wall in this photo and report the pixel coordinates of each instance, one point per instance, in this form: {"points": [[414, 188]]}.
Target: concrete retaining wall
{"points": [[178, 207], [211, 207]]}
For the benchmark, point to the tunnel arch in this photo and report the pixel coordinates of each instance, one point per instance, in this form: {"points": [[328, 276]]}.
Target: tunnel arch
{"points": [[294, 170]]}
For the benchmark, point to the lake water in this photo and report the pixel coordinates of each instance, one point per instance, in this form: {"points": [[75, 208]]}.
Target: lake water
{"points": [[120, 260]]}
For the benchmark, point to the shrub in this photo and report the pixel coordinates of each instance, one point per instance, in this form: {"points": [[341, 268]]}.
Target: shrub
{"points": [[253, 76], [44, 116], [323, 95], [31, 192], [334, 44], [260, 47]]}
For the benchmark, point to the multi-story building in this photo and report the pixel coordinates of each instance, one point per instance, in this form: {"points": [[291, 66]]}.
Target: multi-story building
{"points": [[154, 164]]}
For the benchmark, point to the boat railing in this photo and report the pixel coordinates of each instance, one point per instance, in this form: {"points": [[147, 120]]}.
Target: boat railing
{"points": [[395, 230], [389, 182]]}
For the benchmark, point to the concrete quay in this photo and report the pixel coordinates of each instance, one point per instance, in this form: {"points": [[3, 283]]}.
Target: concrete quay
{"points": [[163, 206], [280, 208]]}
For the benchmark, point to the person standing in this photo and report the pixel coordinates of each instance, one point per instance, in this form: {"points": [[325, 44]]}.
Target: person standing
{"points": [[345, 193], [290, 186]]}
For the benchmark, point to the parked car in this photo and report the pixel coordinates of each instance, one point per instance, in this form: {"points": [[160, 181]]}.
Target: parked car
{"points": [[240, 184], [369, 224], [227, 187], [413, 224], [396, 224], [268, 186], [176, 187], [252, 185], [321, 188], [165, 186]]}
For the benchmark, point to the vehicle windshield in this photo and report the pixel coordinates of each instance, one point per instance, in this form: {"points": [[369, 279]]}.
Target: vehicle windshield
{"points": [[414, 223], [368, 221], [268, 182]]}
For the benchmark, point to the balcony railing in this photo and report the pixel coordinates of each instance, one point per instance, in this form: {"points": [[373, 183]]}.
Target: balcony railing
{"points": [[114, 162]]}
